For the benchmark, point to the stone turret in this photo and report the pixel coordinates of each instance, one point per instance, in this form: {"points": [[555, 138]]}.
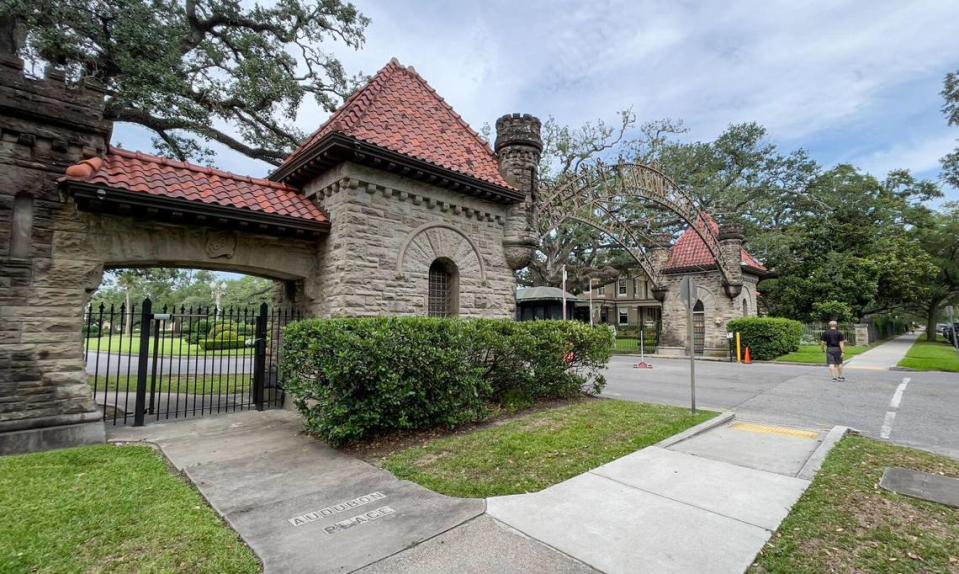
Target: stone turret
{"points": [[518, 148], [658, 253], [731, 245]]}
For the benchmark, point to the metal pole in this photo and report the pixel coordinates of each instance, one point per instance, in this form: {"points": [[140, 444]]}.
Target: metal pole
{"points": [[146, 317], [590, 301], [564, 291], [692, 350], [642, 345]]}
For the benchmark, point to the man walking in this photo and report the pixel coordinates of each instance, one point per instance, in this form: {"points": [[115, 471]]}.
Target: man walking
{"points": [[835, 345]]}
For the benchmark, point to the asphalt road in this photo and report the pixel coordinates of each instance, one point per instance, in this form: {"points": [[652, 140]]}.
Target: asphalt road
{"points": [[926, 413], [208, 364]]}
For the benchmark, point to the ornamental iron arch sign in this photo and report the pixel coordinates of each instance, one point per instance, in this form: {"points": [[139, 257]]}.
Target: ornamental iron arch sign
{"points": [[595, 196]]}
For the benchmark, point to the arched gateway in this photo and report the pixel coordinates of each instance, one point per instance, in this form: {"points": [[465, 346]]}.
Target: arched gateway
{"points": [[386, 209], [598, 196]]}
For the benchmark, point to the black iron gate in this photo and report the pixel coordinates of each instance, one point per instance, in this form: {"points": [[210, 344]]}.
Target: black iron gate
{"points": [[145, 365]]}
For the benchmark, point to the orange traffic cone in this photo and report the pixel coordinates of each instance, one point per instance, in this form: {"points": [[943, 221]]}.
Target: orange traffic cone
{"points": [[749, 357]]}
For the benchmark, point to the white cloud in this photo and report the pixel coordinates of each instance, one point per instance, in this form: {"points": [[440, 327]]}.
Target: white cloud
{"points": [[800, 69], [917, 156]]}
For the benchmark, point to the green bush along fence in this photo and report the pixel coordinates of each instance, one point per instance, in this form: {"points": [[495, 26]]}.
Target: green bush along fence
{"points": [[768, 337], [352, 378]]}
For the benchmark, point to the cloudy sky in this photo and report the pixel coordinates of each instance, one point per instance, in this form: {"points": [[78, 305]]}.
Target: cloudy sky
{"points": [[854, 82]]}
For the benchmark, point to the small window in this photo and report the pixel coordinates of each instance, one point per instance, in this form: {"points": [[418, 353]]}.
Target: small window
{"points": [[601, 290], [21, 228], [621, 287], [623, 318]]}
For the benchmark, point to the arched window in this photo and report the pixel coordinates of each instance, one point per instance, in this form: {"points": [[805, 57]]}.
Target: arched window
{"points": [[443, 300], [21, 228], [745, 307]]}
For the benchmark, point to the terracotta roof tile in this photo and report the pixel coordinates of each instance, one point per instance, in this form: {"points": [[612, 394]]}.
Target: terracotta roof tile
{"points": [[397, 110], [690, 251], [138, 172]]}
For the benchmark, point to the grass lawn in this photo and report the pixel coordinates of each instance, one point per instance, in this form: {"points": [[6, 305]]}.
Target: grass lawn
{"points": [[932, 356], [540, 449], [630, 345], [109, 509], [169, 347], [815, 354], [188, 384], [845, 523]]}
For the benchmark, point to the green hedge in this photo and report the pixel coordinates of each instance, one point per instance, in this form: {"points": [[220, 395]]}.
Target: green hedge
{"points": [[767, 337], [221, 343], [352, 378]]}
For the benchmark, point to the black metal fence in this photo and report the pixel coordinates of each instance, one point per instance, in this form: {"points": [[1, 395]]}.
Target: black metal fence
{"points": [[145, 365]]}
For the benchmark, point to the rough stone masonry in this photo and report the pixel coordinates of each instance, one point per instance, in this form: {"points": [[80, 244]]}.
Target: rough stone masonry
{"points": [[388, 227]]}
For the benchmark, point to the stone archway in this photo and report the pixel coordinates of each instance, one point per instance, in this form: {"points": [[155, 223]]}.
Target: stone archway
{"points": [[595, 196]]}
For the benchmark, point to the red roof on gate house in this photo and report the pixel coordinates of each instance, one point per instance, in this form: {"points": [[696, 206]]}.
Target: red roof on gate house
{"points": [[398, 111], [690, 252], [160, 177]]}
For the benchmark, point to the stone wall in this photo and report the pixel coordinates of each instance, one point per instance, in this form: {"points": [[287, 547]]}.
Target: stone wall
{"points": [[387, 230], [45, 126]]}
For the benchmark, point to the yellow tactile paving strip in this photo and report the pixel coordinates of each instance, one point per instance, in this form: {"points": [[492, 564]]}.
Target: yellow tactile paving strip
{"points": [[764, 429]]}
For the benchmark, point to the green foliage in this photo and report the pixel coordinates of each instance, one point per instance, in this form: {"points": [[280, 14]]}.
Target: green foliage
{"points": [[228, 340], [832, 311], [198, 67], [768, 337], [950, 93], [352, 378]]}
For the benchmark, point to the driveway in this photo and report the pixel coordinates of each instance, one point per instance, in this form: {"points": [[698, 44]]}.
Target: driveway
{"points": [[925, 405]]}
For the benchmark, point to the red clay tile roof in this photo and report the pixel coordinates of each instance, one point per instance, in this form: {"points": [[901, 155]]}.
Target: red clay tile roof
{"points": [[690, 251], [143, 173], [397, 110]]}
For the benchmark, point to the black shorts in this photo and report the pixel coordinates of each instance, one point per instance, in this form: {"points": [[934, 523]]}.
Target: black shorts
{"points": [[833, 356]]}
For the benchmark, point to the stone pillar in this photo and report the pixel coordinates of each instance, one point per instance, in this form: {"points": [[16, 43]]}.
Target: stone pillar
{"points": [[731, 248], [518, 148], [45, 126]]}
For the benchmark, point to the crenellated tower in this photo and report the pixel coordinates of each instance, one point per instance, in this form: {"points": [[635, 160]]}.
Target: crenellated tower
{"points": [[518, 149]]}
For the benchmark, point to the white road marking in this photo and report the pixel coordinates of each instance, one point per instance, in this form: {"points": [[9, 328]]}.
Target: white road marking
{"points": [[897, 396], [886, 430]]}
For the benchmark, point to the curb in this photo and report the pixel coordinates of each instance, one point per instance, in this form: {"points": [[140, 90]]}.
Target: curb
{"points": [[815, 460], [712, 423]]}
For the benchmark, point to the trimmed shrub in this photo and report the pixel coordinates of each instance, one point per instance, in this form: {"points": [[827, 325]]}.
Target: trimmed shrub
{"points": [[768, 337], [222, 343], [352, 378]]}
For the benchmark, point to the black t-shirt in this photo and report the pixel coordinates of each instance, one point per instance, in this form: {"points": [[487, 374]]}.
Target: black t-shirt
{"points": [[832, 338]]}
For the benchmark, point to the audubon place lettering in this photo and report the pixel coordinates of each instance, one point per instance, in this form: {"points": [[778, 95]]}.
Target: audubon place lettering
{"points": [[335, 509]]}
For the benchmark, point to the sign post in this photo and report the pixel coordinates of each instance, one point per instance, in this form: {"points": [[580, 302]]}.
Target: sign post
{"points": [[564, 292], [687, 292]]}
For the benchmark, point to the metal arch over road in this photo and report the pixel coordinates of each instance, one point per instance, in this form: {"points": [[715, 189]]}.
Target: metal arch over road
{"points": [[595, 195]]}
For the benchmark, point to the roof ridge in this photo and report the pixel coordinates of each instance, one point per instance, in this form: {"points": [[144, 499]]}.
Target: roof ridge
{"points": [[459, 119], [197, 168], [375, 79]]}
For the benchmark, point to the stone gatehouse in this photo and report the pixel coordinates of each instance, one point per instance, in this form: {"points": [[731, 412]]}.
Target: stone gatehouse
{"points": [[632, 302], [393, 206]]}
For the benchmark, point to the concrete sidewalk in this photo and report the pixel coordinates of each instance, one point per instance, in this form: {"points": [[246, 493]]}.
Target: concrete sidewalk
{"points": [[706, 504], [305, 507], [885, 356]]}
